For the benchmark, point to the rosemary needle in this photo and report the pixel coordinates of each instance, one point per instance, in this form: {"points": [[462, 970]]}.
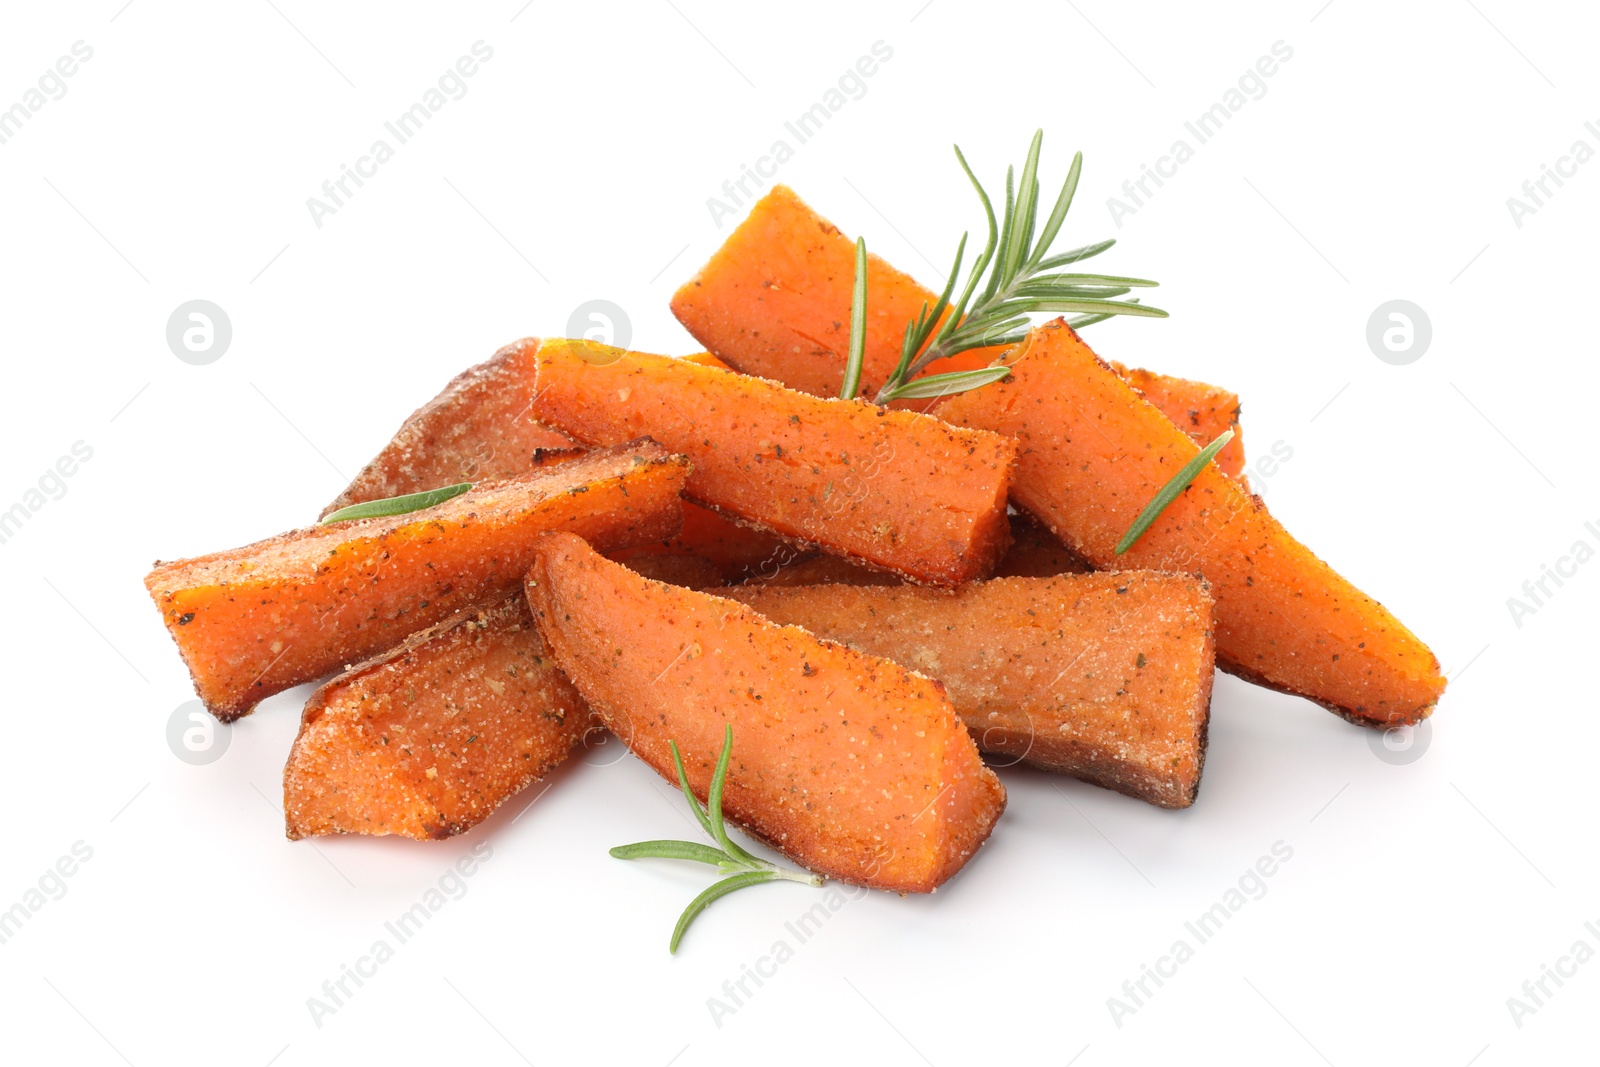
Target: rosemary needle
{"points": [[858, 326], [1170, 491], [397, 505]]}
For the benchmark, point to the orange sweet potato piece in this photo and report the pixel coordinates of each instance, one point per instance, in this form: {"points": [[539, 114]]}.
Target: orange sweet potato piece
{"points": [[428, 738], [1106, 677], [477, 429], [1093, 453], [849, 764], [896, 490], [775, 299], [1035, 552], [256, 620]]}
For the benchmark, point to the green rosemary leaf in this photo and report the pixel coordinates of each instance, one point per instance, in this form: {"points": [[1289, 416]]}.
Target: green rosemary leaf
{"points": [[719, 778], [1032, 291], [1070, 307], [1007, 229], [858, 326], [671, 850], [945, 384], [916, 335], [1081, 321], [688, 794], [1059, 214], [1073, 280], [1017, 250], [1170, 491], [397, 505], [713, 892], [1077, 255], [982, 262]]}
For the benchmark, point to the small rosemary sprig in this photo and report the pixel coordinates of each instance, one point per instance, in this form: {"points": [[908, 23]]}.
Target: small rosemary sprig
{"points": [[1023, 278], [397, 505], [1170, 491], [743, 868]]}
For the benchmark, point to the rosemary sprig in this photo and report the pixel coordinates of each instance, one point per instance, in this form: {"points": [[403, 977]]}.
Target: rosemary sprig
{"points": [[397, 505], [743, 868], [1170, 491], [1022, 278]]}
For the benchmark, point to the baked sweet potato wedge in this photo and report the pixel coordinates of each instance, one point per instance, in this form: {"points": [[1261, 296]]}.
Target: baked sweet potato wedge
{"points": [[899, 491], [427, 739], [256, 620], [774, 301], [477, 429], [1094, 452], [853, 766], [1106, 677]]}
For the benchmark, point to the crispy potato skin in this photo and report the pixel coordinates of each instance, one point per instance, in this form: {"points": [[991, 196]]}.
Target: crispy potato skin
{"points": [[774, 301], [898, 491], [477, 429], [851, 765], [1106, 677], [427, 739], [256, 620], [1093, 453]]}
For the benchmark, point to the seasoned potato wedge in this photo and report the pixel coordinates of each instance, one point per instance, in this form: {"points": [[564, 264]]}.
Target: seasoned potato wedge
{"points": [[1094, 452], [896, 490], [851, 765], [256, 620], [430, 737], [1106, 677]]}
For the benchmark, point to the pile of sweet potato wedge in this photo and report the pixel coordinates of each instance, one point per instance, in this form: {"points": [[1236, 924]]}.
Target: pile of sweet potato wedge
{"points": [[884, 603]]}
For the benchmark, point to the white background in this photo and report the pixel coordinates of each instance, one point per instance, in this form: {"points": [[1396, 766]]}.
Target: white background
{"points": [[577, 167]]}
